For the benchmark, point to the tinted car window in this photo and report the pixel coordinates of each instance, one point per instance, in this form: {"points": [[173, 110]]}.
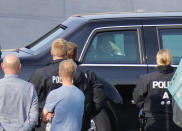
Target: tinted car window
{"points": [[171, 39], [113, 47]]}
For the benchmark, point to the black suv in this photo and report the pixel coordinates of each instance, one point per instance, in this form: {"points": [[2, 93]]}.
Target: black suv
{"points": [[118, 47]]}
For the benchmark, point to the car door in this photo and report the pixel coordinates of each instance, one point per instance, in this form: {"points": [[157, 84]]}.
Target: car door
{"points": [[116, 54], [170, 37], [164, 33]]}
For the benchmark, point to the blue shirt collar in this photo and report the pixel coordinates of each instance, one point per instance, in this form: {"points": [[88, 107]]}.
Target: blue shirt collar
{"points": [[10, 75]]}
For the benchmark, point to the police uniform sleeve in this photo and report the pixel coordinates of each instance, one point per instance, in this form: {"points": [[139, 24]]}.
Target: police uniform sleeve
{"points": [[99, 96], [80, 80], [140, 91], [38, 80]]}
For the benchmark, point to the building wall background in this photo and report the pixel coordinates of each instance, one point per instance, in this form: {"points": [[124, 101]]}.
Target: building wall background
{"points": [[23, 21]]}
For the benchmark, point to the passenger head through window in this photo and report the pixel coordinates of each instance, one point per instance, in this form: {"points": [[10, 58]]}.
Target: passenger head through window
{"points": [[106, 45]]}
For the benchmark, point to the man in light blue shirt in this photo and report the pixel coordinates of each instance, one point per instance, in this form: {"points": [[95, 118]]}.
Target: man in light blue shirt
{"points": [[65, 104], [18, 98]]}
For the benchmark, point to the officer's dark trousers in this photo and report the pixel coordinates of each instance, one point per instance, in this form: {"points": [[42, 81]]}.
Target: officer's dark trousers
{"points": [[85, 123], [40, 128], [161, 125]]}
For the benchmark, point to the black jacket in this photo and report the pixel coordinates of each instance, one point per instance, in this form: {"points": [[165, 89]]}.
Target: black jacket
{"points": [[46, 79], [152, 95], [95, 95]]}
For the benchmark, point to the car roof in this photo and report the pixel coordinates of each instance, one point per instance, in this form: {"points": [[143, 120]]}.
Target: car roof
{"points": [[109, 15]]}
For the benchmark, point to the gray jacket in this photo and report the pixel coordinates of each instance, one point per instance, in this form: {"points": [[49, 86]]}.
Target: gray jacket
{"points": [[18, 104]]}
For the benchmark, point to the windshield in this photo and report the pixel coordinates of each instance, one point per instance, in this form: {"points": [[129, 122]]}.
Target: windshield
{"points": [[47, 38]]}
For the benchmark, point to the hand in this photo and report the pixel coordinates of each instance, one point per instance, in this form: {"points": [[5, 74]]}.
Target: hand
{"points": [[116, 50], [49, 116], [46, 116]]}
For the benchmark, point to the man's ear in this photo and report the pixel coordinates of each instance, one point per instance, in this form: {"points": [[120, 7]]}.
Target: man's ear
{"points": [[59, 74], [77, 56], [19, 67], [51, 52]]}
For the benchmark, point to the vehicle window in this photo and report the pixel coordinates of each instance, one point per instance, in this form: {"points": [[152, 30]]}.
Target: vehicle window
{"points": [[47, 39], [113, 47], [171, 39]]}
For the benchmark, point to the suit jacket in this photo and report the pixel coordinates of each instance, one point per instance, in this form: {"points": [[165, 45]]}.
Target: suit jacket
{"points": [[18, 104]]}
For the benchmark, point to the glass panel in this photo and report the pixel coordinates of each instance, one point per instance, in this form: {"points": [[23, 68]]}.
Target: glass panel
{"points": [[113, 47], [171, 39], [46, 40]]}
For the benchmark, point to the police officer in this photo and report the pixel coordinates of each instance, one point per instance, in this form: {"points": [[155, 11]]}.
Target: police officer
{"points": [[46, 78], [152, 96]]}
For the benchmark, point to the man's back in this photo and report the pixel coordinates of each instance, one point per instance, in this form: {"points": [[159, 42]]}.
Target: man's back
{"points": [[45, 79], [16, 99], [67, 102]]}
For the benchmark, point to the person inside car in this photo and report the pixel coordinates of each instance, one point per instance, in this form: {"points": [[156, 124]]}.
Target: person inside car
{"points": [[106, 46]]}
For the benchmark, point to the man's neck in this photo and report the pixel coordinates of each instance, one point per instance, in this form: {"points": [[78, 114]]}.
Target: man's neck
{"points": [[7, 72], [67, 82], [57, 58]]}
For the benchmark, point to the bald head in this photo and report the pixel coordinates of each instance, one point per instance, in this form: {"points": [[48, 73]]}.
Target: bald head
{"points": [[11, 64]]}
